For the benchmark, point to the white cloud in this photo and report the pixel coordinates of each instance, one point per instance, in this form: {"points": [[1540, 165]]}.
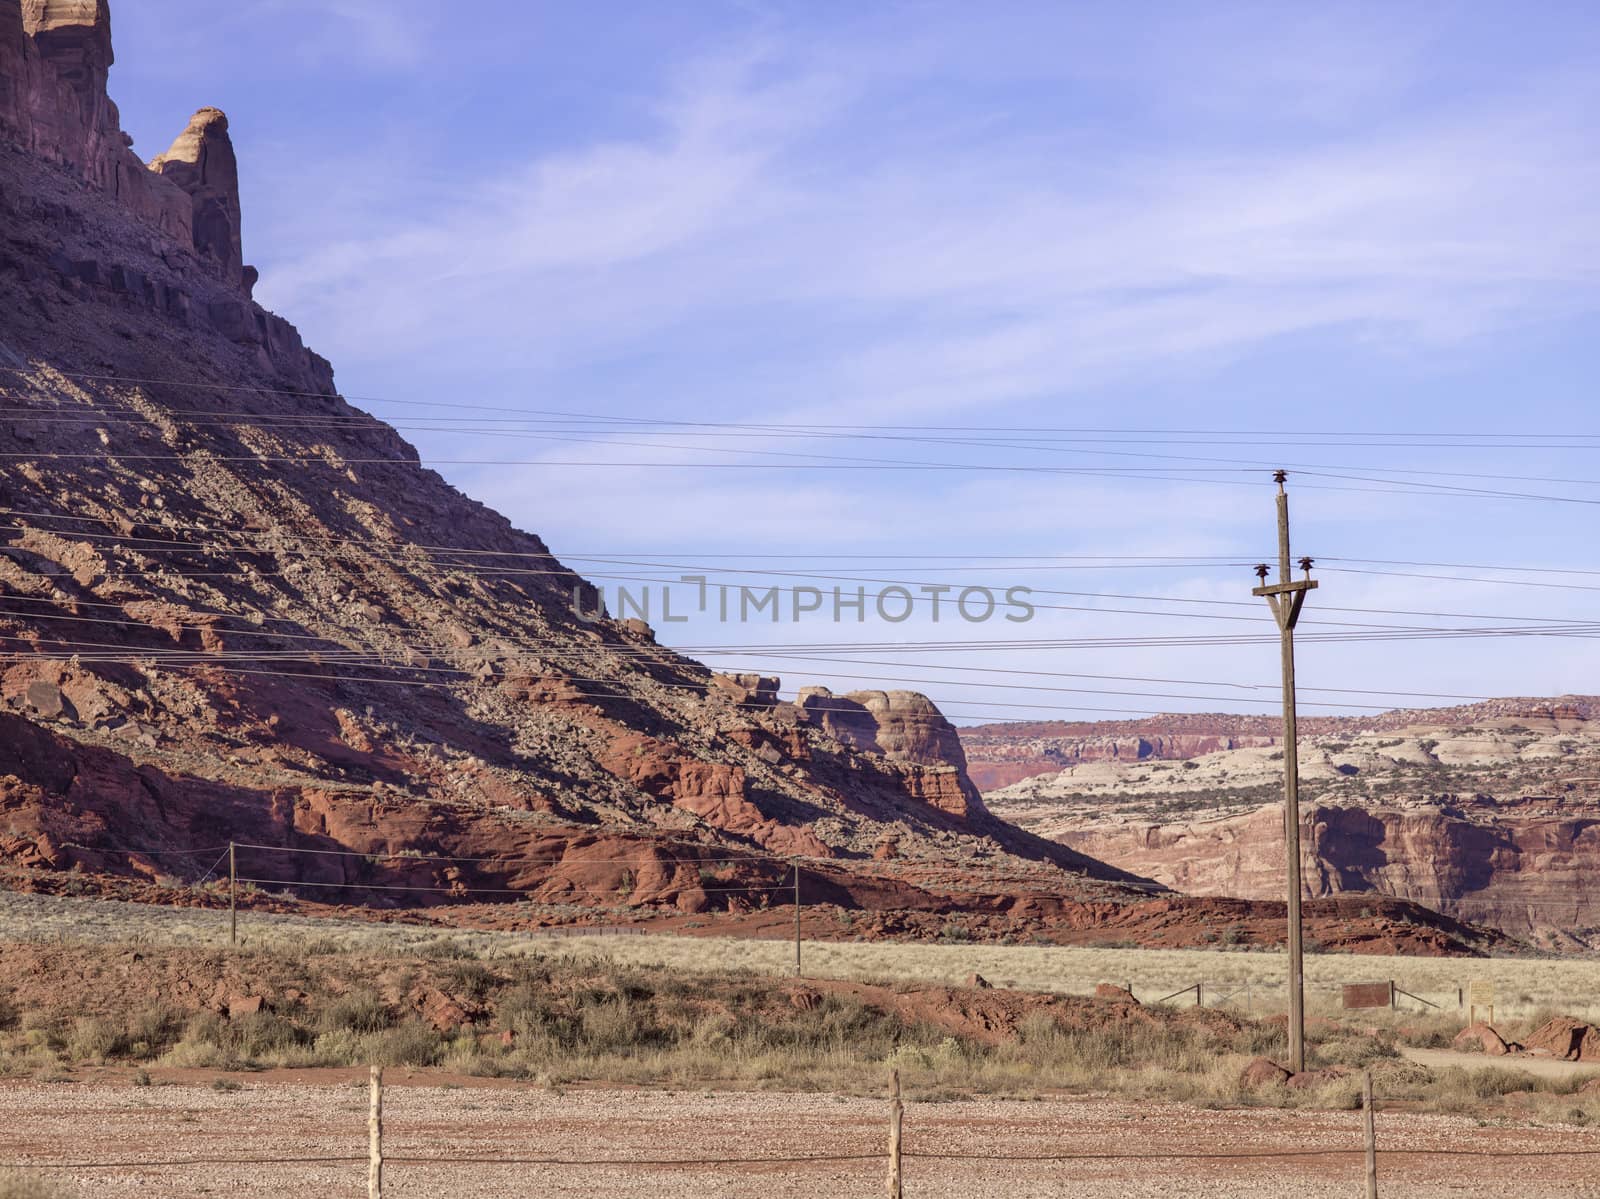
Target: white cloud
{"points": [[998, 270]]}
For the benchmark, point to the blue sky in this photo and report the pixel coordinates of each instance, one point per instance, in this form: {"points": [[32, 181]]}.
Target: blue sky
{"points": [[1363, 220]]}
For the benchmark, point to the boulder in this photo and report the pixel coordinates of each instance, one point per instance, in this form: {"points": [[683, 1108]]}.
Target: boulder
{"points": [[1263, 1072], [45, 699], [442, 1010], [1480, 1038], [245, 1005], [1113, 992], [746, 690]]}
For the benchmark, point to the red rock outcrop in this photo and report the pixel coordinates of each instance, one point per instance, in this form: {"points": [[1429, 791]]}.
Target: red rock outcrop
{"points": [[999, 755], [55, 56], [904, 727], [1489, 812], [55, 61], [201, 162], [1262, 1072]]}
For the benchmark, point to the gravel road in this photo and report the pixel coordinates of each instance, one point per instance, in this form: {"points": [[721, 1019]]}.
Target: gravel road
{"points": [[109, 1120]]}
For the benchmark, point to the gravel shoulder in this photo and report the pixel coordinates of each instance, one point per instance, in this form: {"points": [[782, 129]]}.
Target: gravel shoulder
{"points": [[107, 1119]]}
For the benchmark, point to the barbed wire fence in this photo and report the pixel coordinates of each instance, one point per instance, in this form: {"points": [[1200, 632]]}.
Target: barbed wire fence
{"points": [[894, 1152]]}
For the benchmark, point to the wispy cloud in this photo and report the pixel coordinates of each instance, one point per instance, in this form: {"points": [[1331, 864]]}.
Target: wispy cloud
{"points": [[1052, 219], [988, 269]]}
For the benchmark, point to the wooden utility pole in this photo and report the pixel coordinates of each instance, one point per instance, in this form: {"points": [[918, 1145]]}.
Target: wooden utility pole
{"points": [[1286, 597], [797, 918], [233, 896], [1370, 1128], [896, 1116]]}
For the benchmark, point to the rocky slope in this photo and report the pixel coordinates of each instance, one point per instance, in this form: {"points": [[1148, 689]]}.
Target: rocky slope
{"points": [[1489, 812], [235, 607]]}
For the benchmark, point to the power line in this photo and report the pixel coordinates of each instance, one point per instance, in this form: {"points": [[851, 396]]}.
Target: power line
{"points": [[144, 545], [986, 428]]}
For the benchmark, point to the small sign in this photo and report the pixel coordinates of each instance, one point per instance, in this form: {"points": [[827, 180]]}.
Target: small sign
{"points": [[1363, 995], [1480, 993]]}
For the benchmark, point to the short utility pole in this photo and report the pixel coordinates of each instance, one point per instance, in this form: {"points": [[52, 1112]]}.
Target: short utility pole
{"points": [[797, 917], [1286, 597]]}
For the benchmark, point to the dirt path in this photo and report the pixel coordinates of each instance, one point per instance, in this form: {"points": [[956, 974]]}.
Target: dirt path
{"points": [[1542, 1067], [104, 1121]]}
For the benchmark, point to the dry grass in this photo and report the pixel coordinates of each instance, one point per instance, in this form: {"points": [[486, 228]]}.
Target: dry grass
{"points": [[1524, 986], [576, 1019], [598, 1019]]}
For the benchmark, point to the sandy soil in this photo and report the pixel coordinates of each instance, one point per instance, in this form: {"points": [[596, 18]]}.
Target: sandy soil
{"points": [[1542, 1067], [109, 1120]]}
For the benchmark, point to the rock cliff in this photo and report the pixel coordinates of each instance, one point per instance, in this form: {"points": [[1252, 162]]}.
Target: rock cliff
{"points": [[201, 162], [1526, 868], [904, 727], [1490, 813], [55, 61]]}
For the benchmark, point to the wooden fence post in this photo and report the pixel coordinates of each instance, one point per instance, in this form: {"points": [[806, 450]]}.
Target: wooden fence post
{"points": [[233, 896], [896, 1115], [375, 1137], [1370, 1129]]}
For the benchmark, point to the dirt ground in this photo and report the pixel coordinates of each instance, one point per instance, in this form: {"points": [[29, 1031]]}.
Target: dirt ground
{"points": [[311, 1114], [1541, 1067]]}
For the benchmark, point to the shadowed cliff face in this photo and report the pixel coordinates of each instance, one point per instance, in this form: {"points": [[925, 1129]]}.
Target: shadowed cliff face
{"points": [[233, 606]]}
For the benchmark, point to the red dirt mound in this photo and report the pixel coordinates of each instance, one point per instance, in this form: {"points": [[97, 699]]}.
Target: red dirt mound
{"points": [[1565, 1038]]}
